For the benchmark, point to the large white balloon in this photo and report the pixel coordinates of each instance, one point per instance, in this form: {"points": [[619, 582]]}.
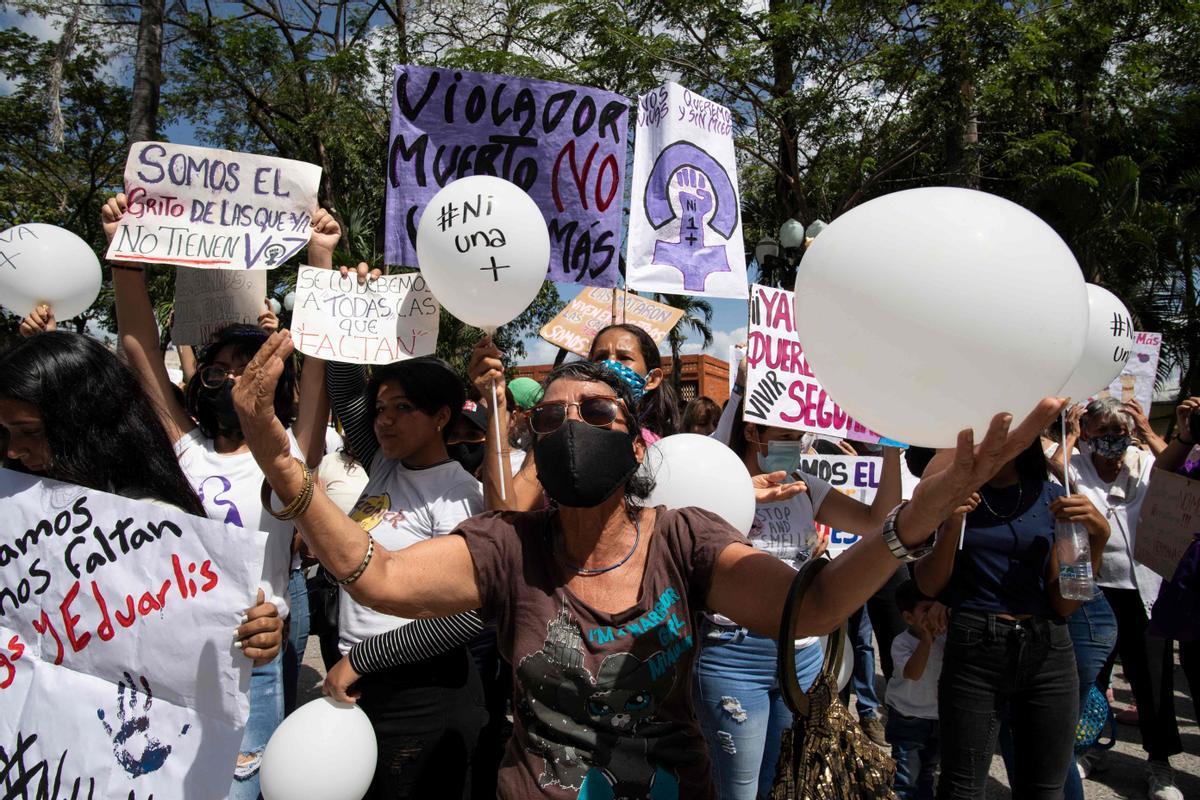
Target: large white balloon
{"points": [[483, 248], [46, 264], [846, 668], [325, 750], [1106, 348], [931, 310], [694, 470]]}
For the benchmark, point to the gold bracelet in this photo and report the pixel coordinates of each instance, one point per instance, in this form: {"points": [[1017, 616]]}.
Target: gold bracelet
{"points": [[361, 567], [299, 504]]}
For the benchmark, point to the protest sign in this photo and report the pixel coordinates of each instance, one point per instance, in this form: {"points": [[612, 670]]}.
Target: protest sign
{"points": [[781, 390], [564, 145], [201, 207], [382, 321], [207, 300], [1170, 515], [685, 227], [856, 476], [1136, 381], [592, 310], [118, 674]]}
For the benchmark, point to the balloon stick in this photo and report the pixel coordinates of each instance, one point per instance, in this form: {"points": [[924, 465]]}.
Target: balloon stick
{"points": [[500, 468], [1066, 457], [962, 532]]}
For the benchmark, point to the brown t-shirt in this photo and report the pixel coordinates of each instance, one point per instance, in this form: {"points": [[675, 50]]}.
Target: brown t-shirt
{"points": [[603, 702]]}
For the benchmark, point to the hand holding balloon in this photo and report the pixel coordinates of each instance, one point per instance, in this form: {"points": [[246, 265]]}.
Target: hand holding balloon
{"points": [[47, 265]]}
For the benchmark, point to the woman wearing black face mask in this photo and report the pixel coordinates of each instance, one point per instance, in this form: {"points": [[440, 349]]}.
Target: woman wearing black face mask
{"points": [[594, 598], [1115, 476]]}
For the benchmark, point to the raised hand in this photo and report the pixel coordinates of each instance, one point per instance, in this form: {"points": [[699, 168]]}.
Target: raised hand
{"points": [[136, 750], [484, 367], [254, 401], [40, 320], [363, 272], [267, 320], [769, 487], [110, 214], [325, 234]]}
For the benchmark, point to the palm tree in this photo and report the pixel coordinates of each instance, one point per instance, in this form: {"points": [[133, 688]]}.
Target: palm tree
{"points": [[697, 318]]}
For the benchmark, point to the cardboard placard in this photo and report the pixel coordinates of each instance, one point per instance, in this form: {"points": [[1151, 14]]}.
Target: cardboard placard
{"points": [[1170, 515], [591, 311]]}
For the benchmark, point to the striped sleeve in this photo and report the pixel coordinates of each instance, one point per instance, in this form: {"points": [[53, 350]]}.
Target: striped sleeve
{"points": [[416, 641], [346, 385]]}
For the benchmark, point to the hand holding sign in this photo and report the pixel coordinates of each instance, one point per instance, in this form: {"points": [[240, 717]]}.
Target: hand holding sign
{"points": [[44, 264], [1106, 348]]}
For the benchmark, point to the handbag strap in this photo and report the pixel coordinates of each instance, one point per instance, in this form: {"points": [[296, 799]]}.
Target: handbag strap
{"points": [[793, 695]]}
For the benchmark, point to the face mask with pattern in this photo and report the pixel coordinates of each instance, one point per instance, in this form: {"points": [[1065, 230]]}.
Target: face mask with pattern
{"points": [[634, 382], [1112, 446]]}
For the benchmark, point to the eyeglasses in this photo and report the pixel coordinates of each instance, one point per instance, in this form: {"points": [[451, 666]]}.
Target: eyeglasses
{"points": [[213, 377], [598, 411]]}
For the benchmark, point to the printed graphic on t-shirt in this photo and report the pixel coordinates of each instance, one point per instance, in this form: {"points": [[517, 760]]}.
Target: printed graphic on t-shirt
{"points": [[601, 734], [784, 532], [220, 505], [375, 509]]}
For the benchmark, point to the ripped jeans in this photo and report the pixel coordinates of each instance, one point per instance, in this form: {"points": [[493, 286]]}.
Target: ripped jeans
{"points": [[741, 710], [266, 712]]}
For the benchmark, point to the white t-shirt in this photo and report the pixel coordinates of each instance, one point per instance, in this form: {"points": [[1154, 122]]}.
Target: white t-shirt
{"points": [[333, 440], [401, 507], [788, 530], [344, 482], [915, 698], [1121, 504], [230, 487]]}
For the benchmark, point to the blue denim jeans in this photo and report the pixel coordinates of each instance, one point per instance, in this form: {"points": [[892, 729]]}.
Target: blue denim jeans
{"points": [[266, 712], [916, 749], [1093, 631], [742, 712], [862, 679], [297, 641]]}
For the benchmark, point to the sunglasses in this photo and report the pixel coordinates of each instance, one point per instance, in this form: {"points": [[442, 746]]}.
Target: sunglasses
{"points": [[213, 377], [598, 411]]}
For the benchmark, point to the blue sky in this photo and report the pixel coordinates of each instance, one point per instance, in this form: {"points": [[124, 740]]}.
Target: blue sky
{"points": [[729, 316]]}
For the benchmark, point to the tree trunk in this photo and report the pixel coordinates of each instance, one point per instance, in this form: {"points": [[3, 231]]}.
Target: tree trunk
{"points": [[147, 73], [66, 44]]}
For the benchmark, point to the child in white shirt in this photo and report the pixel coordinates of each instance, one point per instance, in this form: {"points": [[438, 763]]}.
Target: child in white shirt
{"points": [[912, 726]]}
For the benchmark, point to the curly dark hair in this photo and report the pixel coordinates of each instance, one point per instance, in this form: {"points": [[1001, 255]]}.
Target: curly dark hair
{"points": [[102, 428]]}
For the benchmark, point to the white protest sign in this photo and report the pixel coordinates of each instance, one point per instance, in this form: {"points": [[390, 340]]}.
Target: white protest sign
{"points": [[781, 390], [379, 322], [1136, 381], [1170, 515], [201, 207], [118, 675], [856, 476], [685, 224], [207, 300]]}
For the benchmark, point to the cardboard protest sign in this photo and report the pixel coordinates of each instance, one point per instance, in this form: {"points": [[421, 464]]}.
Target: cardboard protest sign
{"points": [[1170, 515], [379, 322], [201, 207], [856, 476], [781, 390], [562, 144], [592, 310], [685, 227], [207, 300], [1136, 381], [118, 674]]}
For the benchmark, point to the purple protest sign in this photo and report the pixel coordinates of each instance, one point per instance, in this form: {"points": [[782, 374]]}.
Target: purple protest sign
{"points": [[564, 145]]}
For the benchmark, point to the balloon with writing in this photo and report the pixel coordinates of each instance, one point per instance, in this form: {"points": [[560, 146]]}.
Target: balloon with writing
{"points": [[325, 750], [931, 310], [483, 248], [1107, 346], [46, 264]]}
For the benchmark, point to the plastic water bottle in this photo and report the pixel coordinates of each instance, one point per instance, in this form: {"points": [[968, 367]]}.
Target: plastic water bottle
{"points": [[1075, 581]]}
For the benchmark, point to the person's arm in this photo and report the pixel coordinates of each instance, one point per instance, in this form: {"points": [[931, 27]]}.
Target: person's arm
{"points": [[187, 361], [843, 512], [729, 414], [1175, 454], [1143, 429], [137, 331], [523, 491], [932, 573], [850, 580], [1078, 509], [313, 411], [914, 667], [1060, 460]]}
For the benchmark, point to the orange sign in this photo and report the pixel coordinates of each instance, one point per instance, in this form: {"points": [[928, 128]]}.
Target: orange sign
{"points": [[593, 310]]}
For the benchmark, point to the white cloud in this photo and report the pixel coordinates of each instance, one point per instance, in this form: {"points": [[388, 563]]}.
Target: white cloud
{"points": [[538, 351], [722, 341]]}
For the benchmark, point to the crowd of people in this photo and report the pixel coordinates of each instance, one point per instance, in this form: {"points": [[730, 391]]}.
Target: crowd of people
{"points": [[529, 626]]}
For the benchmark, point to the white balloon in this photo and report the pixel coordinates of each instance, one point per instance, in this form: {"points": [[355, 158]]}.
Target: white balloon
{"points": [[275, 307], [47, 264], [325, 750], [846, 669], [1106, 348], [931, 310], [289, 300], [694, 470], [483, 248]]}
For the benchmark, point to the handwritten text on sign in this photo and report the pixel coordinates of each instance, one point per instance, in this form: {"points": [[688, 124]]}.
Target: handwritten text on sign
{"points": [[207, 300], [591, 311], [781, 390], [856, 476], [1136, 381], [685, 229], [1170, 515], [200, 207], [379, 322], [564, 145], [117, 668]]}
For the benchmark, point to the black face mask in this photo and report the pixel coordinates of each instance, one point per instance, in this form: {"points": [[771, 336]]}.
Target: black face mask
{"points": [[217, 405], [469, 454], [580, 466]]}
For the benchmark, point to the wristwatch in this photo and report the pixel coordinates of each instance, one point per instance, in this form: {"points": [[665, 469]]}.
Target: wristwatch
{"points": [[891, 535]]}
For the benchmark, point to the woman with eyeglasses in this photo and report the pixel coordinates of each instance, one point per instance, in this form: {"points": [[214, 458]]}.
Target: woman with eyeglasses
{"points": [[213, 454], [594, 598]]}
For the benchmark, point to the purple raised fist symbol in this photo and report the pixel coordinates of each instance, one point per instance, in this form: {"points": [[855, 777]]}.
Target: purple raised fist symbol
{"points": [[705, 198], [136, 750]]}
